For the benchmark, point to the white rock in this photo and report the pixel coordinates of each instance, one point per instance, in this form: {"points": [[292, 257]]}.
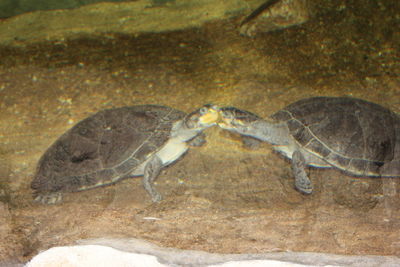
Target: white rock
{"points": [[91, 255]]}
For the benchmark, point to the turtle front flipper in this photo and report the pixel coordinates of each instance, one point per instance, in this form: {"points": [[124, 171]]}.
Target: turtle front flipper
{"points": [[302, 182], [151, 171]]}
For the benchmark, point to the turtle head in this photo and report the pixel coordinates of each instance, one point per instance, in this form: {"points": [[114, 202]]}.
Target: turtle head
{"points": [[236, 120], [202, 118]]}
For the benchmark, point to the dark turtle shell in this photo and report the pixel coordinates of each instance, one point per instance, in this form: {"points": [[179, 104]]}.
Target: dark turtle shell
{"points": [[104, 148], [354, 135]]}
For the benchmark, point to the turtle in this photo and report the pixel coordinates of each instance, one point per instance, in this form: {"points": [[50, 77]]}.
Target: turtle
{"points": [[118, 143], [358, 137]]}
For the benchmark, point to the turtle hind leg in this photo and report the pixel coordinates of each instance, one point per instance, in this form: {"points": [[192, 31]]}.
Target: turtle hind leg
{"points": [[302, 182], [151, 171], [49, 198]]}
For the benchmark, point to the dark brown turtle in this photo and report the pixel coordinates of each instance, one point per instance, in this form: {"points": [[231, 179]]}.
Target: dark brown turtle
{"points": [[117, 143], [358, 137]]}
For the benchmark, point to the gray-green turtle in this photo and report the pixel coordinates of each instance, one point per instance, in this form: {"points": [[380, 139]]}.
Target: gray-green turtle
{"points": [[117, 143], [356, 136]]}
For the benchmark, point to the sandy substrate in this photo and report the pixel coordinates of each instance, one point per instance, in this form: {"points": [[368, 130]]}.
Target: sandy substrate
{"points": [[219, 198]]}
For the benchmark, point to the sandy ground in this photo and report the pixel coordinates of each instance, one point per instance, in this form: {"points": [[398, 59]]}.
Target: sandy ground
{"points": [[220, 197]]}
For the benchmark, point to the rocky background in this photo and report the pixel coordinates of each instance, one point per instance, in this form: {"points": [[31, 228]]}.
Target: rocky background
{"points": [[60, 66]]}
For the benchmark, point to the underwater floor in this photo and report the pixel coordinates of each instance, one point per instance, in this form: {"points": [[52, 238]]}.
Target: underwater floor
{"points": [[222, 197]]}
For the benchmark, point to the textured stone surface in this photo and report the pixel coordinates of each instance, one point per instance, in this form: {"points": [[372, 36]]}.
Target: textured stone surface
{"points": [[105, 18], [280, 15], [121, 252], [9, 8]]}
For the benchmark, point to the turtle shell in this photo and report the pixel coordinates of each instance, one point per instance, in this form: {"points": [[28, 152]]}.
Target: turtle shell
{"points": [[357, 136], [104, 148]]}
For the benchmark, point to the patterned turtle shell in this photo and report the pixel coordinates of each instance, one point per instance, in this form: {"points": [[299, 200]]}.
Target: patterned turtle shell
{"points": [[354, 135]]}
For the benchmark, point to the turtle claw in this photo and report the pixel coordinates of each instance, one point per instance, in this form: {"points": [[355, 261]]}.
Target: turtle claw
{"points": [[49, 198], [304, 186]]}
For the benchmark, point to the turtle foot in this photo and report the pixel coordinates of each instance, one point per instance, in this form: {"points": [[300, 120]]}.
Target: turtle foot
{"points": [[304, 186], [151, 171], [49, 198], [156, 198], [302, 182]]}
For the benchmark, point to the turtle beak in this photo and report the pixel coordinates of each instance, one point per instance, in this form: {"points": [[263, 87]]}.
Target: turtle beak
{"points": [[211, 116]]}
